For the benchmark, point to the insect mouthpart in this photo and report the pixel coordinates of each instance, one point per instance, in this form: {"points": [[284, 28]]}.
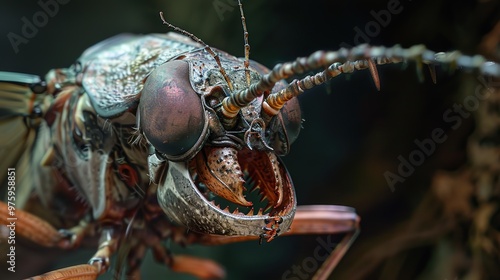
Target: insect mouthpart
{"points": [[227, 191], [241, 182]]}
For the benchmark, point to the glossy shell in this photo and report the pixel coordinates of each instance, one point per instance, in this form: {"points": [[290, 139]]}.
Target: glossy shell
{"points": [[171, 113], [115, 69]]}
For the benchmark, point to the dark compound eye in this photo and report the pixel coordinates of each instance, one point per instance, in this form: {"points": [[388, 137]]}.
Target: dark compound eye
{"points": [[171, 113]]}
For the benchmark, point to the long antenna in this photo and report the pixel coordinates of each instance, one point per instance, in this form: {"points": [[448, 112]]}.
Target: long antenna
{"points": [[362, 57], [207, 48], [247, 45]]}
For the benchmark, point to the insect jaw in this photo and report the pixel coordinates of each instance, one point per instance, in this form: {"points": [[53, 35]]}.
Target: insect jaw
{"points": [[185, 201]]}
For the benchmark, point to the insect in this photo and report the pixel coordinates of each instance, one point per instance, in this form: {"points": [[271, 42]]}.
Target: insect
{"points": [[102, 131]]}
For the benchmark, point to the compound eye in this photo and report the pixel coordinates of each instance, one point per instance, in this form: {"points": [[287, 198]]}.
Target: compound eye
{"points": [[171, 113]]}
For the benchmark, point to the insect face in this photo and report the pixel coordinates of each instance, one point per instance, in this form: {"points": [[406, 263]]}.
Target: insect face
{"points": [[220, 168]]}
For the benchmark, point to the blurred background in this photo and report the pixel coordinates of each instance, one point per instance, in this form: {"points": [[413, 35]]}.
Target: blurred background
{"points": [[352, 134]]}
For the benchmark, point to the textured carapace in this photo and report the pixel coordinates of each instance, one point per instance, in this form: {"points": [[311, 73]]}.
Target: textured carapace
{"points": [[162, 137]]}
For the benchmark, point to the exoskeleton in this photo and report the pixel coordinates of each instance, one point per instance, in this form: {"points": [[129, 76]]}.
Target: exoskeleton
{"points": [[154, 137]]}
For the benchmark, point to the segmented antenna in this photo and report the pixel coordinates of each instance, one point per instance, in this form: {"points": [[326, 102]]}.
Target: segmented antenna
{"points": [[206, 47], [232, 104], [275, 101], [247, 45], [363, 57]]}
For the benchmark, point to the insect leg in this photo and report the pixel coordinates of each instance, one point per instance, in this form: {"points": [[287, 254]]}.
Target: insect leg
{"points": [[81, 272], [310, 220], [201, 268], [108, 244], [41, 232], [327, 219], [33, 228]]}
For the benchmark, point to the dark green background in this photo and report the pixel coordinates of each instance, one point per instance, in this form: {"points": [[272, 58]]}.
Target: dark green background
{"points": [[351, 135]]}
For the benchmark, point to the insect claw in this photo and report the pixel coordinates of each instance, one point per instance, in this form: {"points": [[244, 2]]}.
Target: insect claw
{"points": [[67, 237], [100, 263]]}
